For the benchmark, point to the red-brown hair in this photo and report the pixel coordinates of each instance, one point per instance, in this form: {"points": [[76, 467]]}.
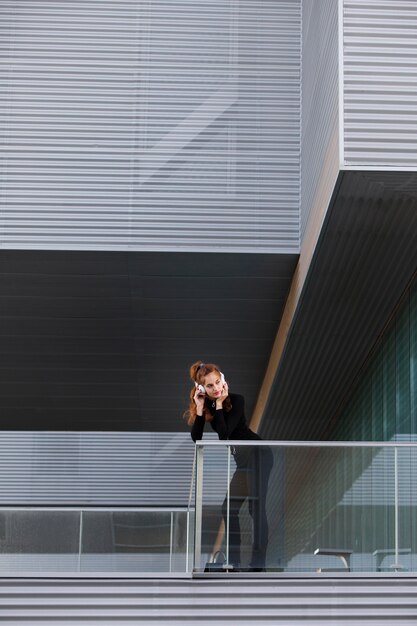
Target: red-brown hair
{"points": [[198, 371]]}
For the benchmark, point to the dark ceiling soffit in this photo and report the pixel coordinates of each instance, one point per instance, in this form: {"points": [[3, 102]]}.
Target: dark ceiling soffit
{"points": [[363, 262], [298, 312], [311, 270]]}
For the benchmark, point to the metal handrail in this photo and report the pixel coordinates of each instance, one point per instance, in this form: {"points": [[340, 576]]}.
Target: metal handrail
{"points": [[307, 444], [98, 509]]}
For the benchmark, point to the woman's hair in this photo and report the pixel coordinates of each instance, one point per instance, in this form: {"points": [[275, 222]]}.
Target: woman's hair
{"points": [[198, 371]]}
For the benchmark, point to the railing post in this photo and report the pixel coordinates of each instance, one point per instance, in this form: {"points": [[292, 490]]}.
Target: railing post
{"points": [[187, 548], [187, 540], [80, 541], [198, 506], [396, 565], [171, 541], [228, 507]]}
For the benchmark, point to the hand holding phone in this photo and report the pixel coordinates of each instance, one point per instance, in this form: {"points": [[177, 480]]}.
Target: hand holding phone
{"points": [[199, 397]]}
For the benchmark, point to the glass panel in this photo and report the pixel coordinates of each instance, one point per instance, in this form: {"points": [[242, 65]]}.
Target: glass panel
{"points": [[127, 541], [303, 508], [338, 504], [102, 541], [39, 541], [178, 561], [191, 540], [405, 558], [211, 503], [94, 541]]}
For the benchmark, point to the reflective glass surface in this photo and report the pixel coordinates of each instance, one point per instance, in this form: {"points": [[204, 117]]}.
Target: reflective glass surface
{"points": [[306, 508], [49, 540], [39, 540]]}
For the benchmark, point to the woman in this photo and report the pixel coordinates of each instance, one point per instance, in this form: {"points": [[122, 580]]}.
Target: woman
{"points": [[210, 401]]}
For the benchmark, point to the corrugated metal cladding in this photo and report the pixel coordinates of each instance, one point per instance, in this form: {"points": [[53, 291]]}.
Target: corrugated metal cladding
{"points": [[380, 82], [150, 125], [136, 469], [158, 602], [320, 103]]}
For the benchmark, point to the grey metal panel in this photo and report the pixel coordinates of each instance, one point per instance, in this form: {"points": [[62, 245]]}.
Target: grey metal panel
{"points": [[299, 601], [380, 83], [168, 125], [106, 468], [136, 469], [320, 105]]}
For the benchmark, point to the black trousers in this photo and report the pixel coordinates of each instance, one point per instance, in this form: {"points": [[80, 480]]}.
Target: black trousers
{"points": [[250, 481]]}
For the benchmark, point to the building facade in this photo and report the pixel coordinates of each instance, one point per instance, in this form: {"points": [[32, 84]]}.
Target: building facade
{"points": [[235, 181]]}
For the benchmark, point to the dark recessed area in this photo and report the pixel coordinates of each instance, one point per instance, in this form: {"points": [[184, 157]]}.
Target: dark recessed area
{"points": [[103, 340]]}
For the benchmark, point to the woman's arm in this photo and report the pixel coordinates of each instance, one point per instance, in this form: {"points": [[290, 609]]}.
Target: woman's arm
{"points": [[198, 428]]}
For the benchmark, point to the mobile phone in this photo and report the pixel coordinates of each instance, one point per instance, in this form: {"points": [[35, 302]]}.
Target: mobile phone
{"points": [[201, 389]]}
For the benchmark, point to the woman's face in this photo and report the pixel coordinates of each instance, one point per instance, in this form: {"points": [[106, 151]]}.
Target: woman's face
{"points": [[213, 385]]}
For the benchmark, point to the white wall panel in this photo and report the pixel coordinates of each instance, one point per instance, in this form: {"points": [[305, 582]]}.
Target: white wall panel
{"points": [[165, 125], [380, 83], [320, 107]]}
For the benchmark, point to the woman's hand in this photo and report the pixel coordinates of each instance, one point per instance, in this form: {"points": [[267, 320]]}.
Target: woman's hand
{"points": [[222, 398], [199, 401]]}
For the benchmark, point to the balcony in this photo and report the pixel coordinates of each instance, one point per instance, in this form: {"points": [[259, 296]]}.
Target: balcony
{"points": [[332, 508]]}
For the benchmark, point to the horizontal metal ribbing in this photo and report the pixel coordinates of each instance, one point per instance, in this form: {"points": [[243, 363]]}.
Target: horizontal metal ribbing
{"points": [[125, 123], [103, 468], [380, 51], [205, 602], [94, 468]]}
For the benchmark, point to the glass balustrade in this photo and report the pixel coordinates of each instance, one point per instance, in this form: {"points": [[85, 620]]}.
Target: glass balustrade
{"points": [[294, 507], [52, 540], [306, 507]]}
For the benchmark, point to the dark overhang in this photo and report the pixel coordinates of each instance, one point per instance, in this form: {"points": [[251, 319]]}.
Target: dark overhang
{"points": [[104, 340], [364, 259]]}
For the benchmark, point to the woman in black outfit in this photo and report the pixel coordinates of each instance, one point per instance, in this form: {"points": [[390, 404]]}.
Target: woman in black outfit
{"points": [[210, 401]]}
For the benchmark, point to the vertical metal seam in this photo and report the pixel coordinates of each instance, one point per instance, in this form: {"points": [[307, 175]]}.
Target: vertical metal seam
{"points": [[341, 69]]}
